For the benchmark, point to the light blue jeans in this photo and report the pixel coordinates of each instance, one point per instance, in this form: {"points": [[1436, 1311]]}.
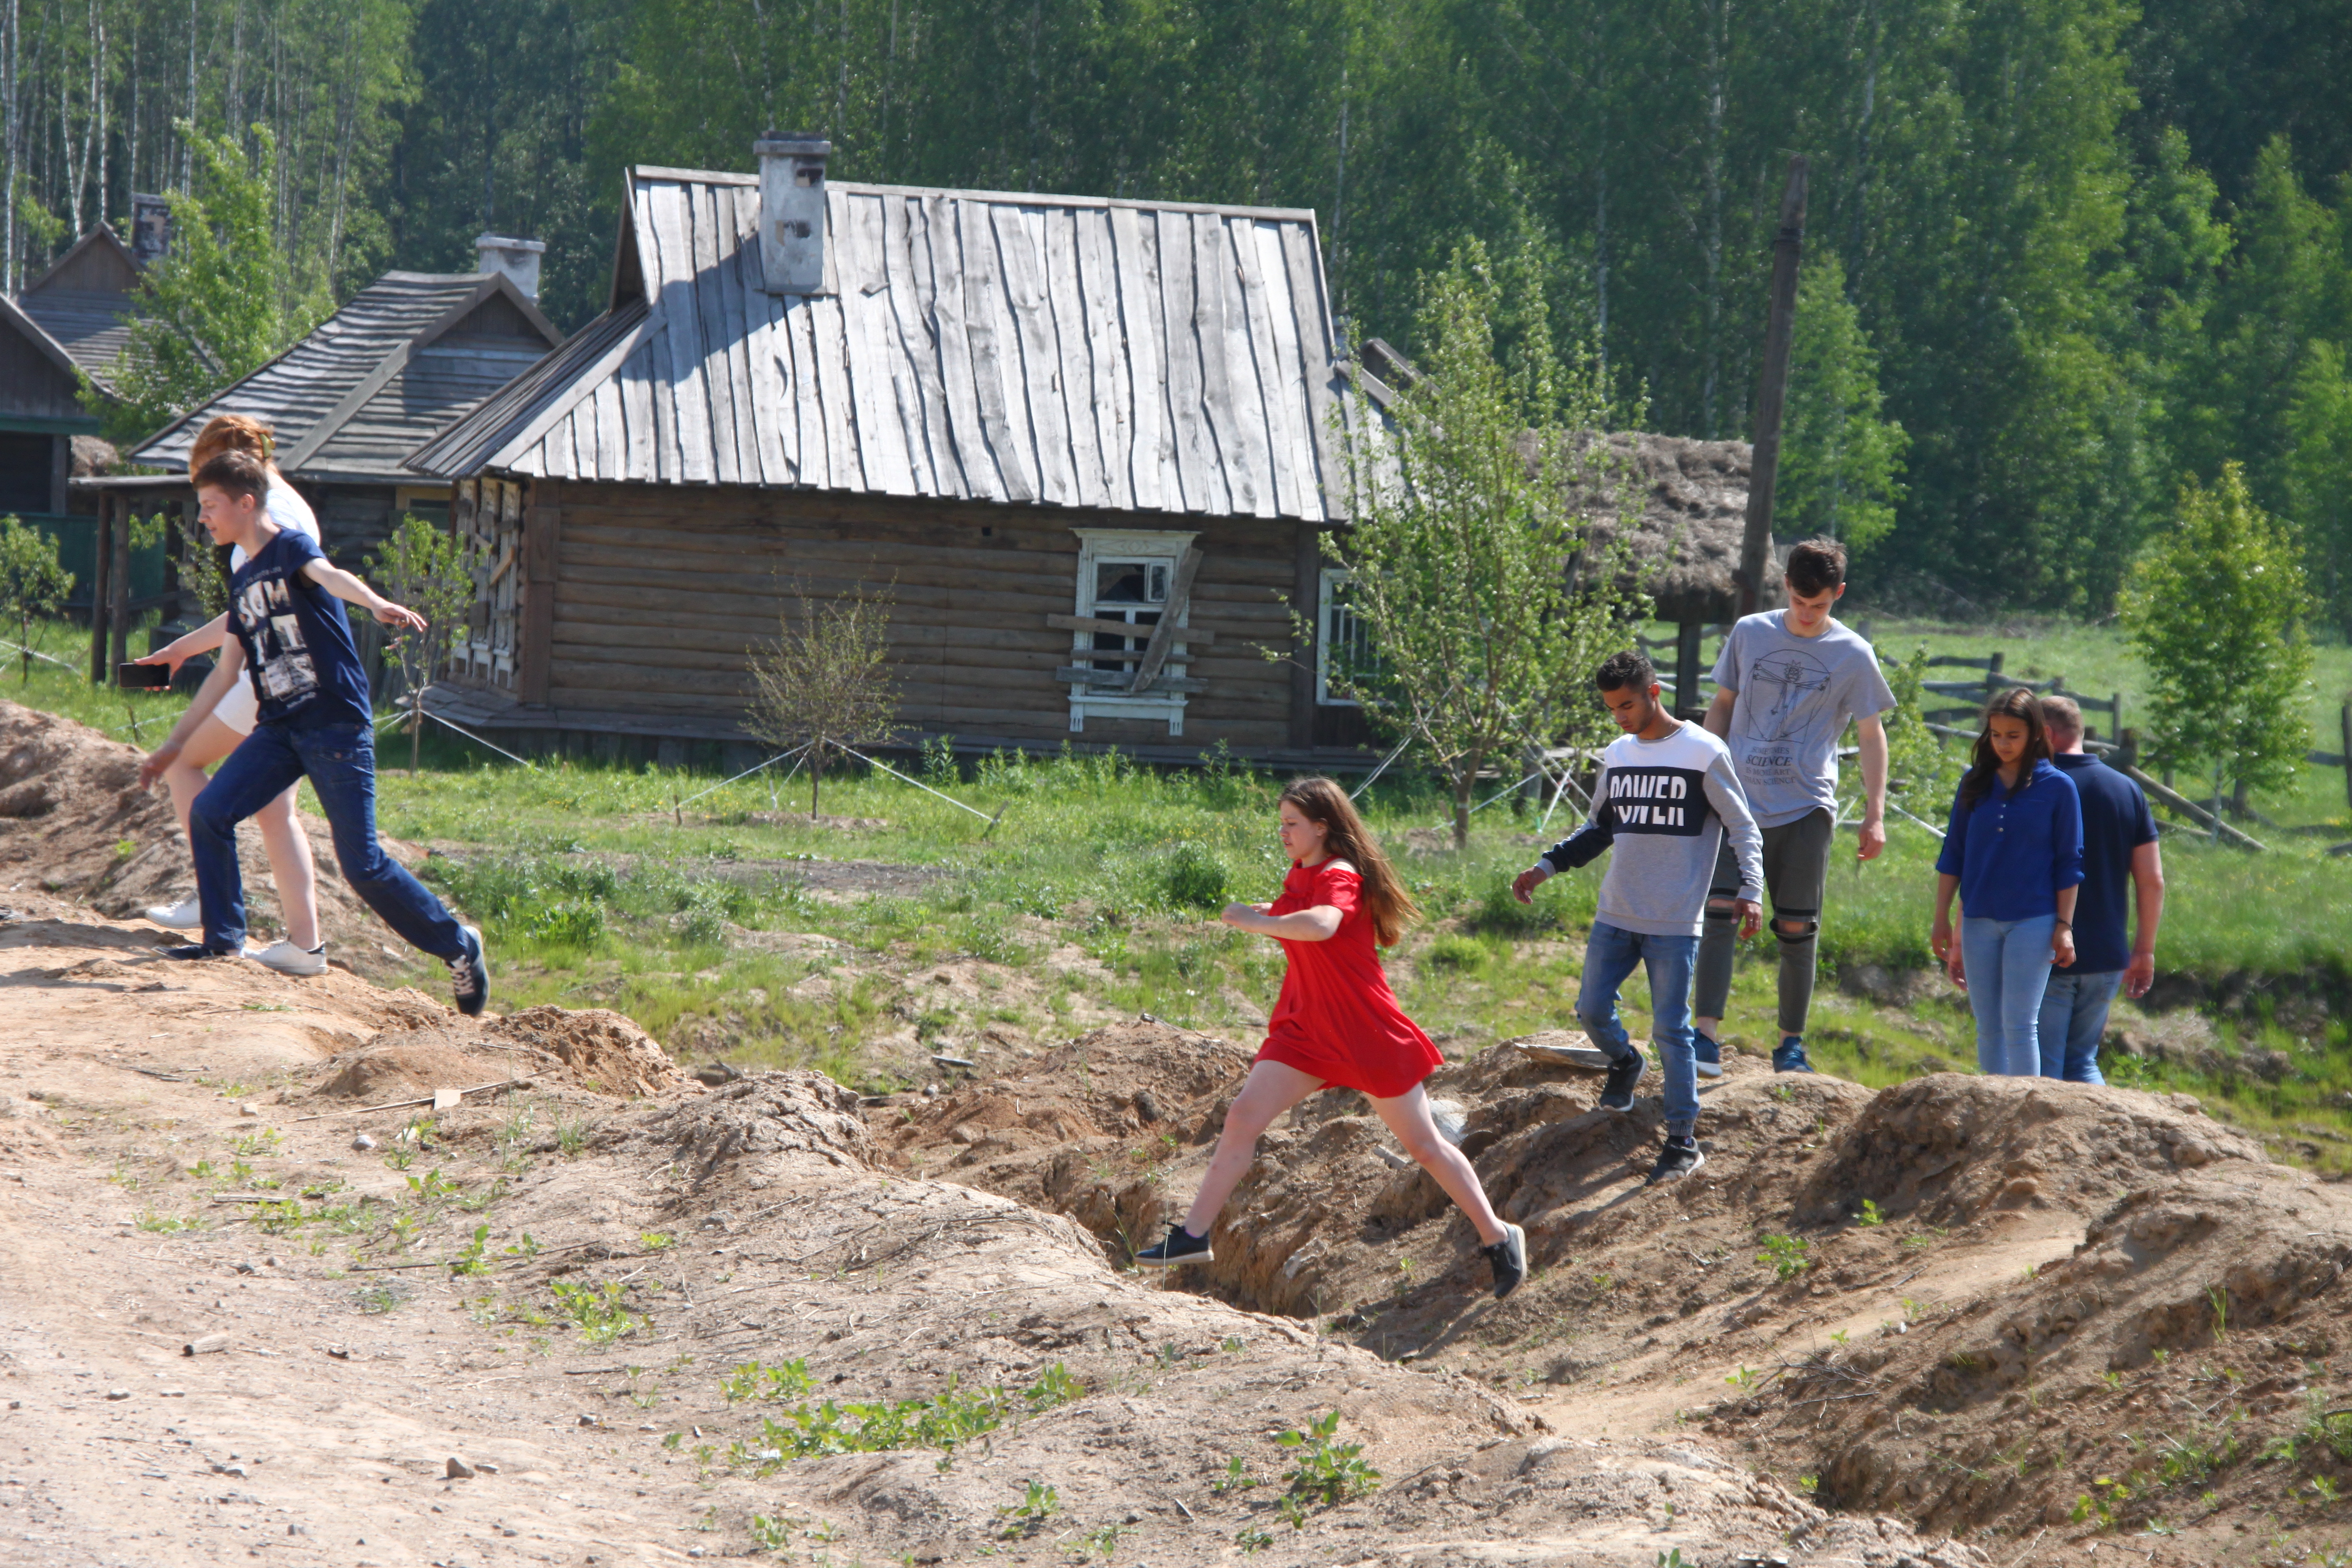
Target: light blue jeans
{"points": [[2008, 967], [1609, 955], [2074, 1021]]}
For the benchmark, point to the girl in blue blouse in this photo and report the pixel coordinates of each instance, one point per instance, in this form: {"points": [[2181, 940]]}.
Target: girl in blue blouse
{"points": [[2014, 852]]}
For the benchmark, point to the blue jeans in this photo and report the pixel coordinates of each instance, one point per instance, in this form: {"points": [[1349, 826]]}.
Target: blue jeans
{"points": [[339, 762], [2008, 967], [2074, 1021], [1609, 955]]}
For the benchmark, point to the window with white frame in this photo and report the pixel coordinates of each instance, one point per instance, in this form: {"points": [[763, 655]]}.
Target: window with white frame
{"points": [[1343, 645], [1125, 575]]}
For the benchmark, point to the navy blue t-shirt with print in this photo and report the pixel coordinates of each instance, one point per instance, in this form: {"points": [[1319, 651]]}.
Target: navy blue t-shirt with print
{"points": [[2115, 821], [298, 639]]}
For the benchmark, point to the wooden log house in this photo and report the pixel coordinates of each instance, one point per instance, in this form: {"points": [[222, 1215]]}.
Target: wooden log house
{"points": [[403, 357], [1085, 448]]}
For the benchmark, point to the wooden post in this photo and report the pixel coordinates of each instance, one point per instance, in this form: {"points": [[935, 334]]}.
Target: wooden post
{"points": [[2345, 714], [118, 596], [1772, 390], [101, 561], [1993, 673], [1688, 636]]}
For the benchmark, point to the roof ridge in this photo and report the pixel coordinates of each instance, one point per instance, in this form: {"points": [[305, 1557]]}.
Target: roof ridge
{"points": [[1014, 198]]}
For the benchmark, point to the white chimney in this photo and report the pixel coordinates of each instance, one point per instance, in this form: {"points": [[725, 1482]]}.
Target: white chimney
{"points": [[518, 258], [792, 212]]}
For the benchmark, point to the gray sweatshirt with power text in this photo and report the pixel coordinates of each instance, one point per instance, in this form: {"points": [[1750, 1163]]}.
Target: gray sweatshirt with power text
{"points": [[1662, 807]]}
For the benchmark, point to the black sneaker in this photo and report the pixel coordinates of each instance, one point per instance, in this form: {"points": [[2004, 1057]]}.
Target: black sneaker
{"points": [[469, 975], [189, 951], [1509, 1256], [1180, 1247], [1617, 1094], [1680, 1157]]}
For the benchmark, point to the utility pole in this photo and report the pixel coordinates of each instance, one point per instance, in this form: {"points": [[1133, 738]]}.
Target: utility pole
{"points": [[1772, 391]]}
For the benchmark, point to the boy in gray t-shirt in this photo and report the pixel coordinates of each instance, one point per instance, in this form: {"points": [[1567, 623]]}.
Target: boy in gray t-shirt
{"points": [[1786, 686]]}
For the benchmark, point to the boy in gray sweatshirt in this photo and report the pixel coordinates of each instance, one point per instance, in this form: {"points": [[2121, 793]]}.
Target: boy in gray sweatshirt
{"points": [[1666, 797]]}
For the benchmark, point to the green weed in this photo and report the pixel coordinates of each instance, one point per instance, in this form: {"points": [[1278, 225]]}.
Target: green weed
{"points": [[1327, 1471], [1786, 1255]]}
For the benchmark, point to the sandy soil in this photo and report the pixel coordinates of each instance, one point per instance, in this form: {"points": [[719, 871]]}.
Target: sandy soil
{"points": [[756, 1224]]}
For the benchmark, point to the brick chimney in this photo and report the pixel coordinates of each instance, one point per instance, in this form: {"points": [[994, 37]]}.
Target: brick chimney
{"points": [[792, 212], [518, 258]]}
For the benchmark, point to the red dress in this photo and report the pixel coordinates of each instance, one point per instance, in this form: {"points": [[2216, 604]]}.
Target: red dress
{"points": [[1337, 1018]]}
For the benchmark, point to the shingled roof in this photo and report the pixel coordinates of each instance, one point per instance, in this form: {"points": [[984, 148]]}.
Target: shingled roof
{"points": [[1053, 350], [86, 301], [407, 354]]}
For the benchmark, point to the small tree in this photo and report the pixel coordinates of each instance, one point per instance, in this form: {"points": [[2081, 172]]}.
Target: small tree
{"points": [[33, 586], [221, 305], [1920, 773], [422, 565], [1841, 462], [2216, 609], [1484, 597], [2319, 474], [825, 681]]}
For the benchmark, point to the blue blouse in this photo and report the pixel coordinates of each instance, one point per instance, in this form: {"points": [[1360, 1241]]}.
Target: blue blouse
{"points": [[2015, 850]]}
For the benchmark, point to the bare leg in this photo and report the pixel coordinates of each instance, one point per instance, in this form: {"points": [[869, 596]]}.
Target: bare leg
{"points": [[1408, 1117], [1270, 1090], [187, 775], [290, 865]]}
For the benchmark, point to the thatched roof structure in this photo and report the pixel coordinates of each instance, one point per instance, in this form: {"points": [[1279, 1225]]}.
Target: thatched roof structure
{"points": [[1694, 515], [1685, 543]]}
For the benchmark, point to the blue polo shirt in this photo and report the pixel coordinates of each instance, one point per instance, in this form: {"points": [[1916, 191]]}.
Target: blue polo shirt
{"points": [[2115, 821], [2015, 849]]}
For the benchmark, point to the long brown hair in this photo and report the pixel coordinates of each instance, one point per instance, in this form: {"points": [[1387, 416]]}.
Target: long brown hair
{"points": [[1346, 839], [232, 433], [2018, 702]]}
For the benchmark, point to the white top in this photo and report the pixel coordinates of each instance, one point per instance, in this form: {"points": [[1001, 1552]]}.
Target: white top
{"points": [[239, 708]]}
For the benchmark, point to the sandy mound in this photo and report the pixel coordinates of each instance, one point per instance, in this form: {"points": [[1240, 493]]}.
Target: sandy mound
{"points": [[600, 1051], [756, 1119], [1949, 1146], [73, 819]]}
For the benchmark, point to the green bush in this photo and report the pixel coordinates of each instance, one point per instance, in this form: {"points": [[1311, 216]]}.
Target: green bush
{"points": [[1499, 914], [571, 922], [1192, 878], [1453, 950]]}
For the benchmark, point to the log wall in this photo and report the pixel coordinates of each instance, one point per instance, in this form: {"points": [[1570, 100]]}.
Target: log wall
{"points": [[660, 592]]}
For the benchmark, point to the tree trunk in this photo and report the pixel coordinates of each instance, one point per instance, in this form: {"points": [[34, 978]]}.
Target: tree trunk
{"points": [[1466, 783], [817, 775], [415, 726]]}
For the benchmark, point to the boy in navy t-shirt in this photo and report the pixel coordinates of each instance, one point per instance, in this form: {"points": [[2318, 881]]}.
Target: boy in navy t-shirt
{"points": [[288, 621]]}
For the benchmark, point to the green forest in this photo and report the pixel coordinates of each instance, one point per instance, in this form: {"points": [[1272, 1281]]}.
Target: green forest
{"points": [[2062, 255]]}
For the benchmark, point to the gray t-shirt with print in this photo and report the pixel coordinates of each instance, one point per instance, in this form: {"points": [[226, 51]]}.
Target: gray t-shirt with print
{"points": [[1796, 697]]}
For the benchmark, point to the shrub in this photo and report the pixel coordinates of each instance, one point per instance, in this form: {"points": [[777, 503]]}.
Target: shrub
{"points": [[1193, 878], [1453, 950]]}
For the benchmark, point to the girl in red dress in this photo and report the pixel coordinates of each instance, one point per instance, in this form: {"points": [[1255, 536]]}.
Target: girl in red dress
{"points": [[1337, 1025]]}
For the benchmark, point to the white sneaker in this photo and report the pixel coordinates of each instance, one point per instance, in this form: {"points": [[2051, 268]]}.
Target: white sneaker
{"points": [[287, 959], [185, 915]]}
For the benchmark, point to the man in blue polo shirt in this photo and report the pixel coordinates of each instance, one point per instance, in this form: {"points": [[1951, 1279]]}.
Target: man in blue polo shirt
{"points": [[2118, 849]]}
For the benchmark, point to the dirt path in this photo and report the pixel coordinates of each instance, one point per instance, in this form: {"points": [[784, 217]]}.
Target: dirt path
{"points": [[757, 1225]]}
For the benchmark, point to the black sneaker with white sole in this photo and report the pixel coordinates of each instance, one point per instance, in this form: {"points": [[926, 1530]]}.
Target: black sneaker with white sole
{"points": [[1180, 1247], [1509, 1257], [470, 973], [1617, 1093], [1679, 1158]]}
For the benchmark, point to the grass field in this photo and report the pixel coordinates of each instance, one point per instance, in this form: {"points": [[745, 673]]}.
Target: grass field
{"points": [[1095, 891]]}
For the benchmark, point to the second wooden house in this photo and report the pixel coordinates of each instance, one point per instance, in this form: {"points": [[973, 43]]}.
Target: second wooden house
{"points": [[1085, 448]]}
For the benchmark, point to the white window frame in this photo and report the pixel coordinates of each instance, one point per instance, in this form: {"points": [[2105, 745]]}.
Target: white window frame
{"points": [[1330, 632], [1110, 546]]}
